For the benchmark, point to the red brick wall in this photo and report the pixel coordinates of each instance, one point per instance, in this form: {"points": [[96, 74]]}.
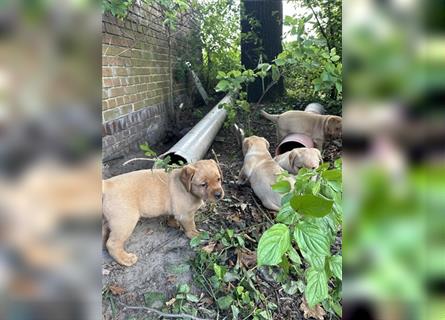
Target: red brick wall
{"points": [[136, 77]]}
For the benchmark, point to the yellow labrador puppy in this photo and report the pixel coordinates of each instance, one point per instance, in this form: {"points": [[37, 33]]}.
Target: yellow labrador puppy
{"points": [[261, 171], [297, 158], [154, 193], [317, 126]]}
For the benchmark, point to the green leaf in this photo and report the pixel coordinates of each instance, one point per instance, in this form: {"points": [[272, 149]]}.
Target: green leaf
{"points": [[337, 308], [184, 288], [291, 287], [332, 175], [191, 297], [339, 87], [273, 244], [335, 58], [230, 277], [195, 241], [286, 198], [311, 205], [338, 163], [316, 288], [317, 262], [275, 73], [315, 188], [280, 61], [225, 302], [286, 215], [311, 239], [293, 256], [223, 85], [154, 299], [335, 265], [235, 312], [240, 240], [325, 76], [282, 186], [219, 271]]}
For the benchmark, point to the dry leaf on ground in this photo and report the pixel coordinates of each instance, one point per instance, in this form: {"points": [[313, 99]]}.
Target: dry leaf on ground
{"points": [[170, 302], [116, 290], [317, 312], [209, 248], [246, 258]]}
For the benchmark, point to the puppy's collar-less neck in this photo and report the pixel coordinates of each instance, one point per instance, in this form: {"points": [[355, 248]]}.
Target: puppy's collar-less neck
{"points": [[254, 153]]}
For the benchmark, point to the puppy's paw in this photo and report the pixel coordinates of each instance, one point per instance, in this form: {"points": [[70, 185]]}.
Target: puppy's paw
{"points": [[191, 234], [128, 259], [172, 222]]}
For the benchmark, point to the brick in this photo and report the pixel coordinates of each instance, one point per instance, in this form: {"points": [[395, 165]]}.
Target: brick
{"points": [[118, 71], [131, 90], [114, 92], [107, 72], [125, 109], [112, 103], [107, 82], [137, 106], [111, 114]]}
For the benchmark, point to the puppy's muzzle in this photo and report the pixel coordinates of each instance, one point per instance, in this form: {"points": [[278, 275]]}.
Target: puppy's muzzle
{"points": [[218, 195]]}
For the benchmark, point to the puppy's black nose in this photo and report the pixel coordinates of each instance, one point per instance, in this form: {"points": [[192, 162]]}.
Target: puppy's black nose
{"points": [[218, 195]]}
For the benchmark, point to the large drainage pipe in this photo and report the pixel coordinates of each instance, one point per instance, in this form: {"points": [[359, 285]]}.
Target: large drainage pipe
{"points": [[194, 145]]}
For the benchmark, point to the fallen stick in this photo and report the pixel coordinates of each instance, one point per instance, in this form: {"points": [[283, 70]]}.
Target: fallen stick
{"points": [[160, 313], [134, 159]]}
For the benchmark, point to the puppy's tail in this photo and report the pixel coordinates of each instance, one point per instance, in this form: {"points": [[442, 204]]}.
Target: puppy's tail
{"points": [[271, 117], [239, 134]]}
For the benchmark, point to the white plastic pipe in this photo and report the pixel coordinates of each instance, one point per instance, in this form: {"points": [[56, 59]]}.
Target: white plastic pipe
{"points": [[194, 145]]}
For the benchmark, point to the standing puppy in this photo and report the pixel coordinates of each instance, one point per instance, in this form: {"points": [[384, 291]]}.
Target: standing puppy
{"points": [[154, 193], [317, 126], [261, 171], [298, 158]]}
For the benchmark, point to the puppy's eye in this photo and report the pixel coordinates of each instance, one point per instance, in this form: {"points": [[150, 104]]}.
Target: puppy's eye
{"points": [[204, 184], [219, 179]]}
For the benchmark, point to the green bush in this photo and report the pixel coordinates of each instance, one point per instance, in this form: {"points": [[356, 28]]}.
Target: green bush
{"points": [[307, 225]]}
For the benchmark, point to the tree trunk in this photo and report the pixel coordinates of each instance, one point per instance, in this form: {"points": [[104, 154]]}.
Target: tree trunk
{"points": [[262, 28]]}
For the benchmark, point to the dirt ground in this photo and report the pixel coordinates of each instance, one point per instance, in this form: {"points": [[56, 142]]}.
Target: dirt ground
{"points": [[164, 252]]}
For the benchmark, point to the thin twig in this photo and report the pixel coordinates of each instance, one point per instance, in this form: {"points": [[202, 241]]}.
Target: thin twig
{"points": [[134, 159], [262, 211], [320, 26], [160, 313], [216, 157], [270, 85]]}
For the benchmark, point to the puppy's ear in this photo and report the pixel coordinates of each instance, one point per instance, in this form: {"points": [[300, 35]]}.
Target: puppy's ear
{"points": [[186, 176], [246, 145], [294, 159], [333, 125]]}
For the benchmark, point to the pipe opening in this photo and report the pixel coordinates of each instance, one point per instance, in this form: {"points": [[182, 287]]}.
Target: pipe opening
{"points": [[175, 159], [288, 146]]}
